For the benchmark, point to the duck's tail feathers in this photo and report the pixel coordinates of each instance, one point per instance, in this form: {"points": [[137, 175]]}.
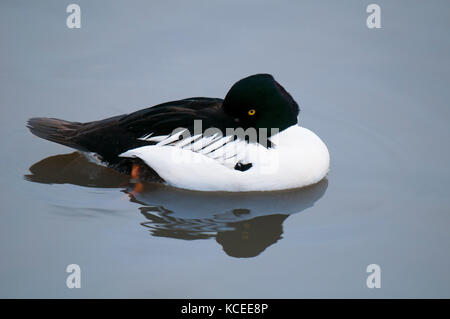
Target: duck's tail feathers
{"points": [[55, 130]]}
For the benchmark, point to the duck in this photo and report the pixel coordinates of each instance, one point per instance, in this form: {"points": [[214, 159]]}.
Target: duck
{"points": [[249, 141]]}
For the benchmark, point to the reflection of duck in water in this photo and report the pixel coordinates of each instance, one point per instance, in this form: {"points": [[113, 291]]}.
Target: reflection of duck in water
{"points": [[251, 237], [244, 224], [240, 238]]}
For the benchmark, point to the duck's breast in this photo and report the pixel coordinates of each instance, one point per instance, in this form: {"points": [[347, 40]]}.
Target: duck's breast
{"points": [[301, 158]]}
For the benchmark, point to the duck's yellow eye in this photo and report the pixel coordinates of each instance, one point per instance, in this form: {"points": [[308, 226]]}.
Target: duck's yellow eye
{"points": [[251, 112]]}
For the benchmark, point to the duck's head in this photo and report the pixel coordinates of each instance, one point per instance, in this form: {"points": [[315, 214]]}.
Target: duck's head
{"points": [[259, 101]]}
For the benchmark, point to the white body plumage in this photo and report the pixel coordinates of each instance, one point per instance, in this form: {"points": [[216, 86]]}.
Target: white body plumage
{"points": [[298, 158]]}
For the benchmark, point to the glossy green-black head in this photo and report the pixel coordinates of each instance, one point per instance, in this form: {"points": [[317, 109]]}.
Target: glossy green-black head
{"points": [[261, 102]]}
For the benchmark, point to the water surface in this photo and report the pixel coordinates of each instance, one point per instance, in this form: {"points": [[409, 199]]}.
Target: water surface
{"points": [[377, 98]]}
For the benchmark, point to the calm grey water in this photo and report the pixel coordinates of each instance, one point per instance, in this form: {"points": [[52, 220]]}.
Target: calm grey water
{"points": [[378, 98]]}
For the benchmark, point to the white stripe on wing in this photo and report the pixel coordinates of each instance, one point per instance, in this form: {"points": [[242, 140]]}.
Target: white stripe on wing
{"points": [[224, 149]]}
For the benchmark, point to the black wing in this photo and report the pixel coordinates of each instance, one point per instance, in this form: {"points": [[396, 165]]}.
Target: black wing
{"points": [[113, 136]]}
